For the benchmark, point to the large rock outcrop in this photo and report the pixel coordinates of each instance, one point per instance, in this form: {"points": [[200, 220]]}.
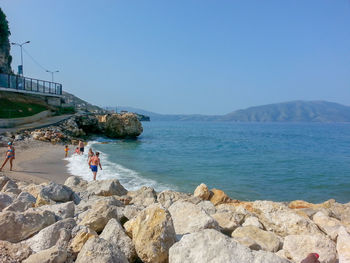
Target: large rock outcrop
{"points": [[123, 126]]}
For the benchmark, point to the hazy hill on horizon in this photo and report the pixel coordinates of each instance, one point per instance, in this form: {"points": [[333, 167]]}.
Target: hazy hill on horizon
{"points": [[292, 111]]}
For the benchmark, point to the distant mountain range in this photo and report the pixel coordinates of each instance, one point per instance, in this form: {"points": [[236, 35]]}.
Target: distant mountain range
{"points": [[293, 111]]}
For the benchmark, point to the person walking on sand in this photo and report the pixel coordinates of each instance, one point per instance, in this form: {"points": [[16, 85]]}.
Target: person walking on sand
{"points": [[10, 155], [81, 147], [94, 163], [66, 149]]}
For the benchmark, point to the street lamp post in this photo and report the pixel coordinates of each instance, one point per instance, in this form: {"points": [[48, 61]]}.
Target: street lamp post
{"points": [[52, 72], [20, 45]]}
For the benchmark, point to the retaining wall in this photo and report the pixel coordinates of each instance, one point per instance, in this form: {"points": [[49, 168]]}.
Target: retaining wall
{"points": [[9, 123]]}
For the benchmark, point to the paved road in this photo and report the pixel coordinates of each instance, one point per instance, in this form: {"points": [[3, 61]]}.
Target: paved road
{"points": [[38, 124]]}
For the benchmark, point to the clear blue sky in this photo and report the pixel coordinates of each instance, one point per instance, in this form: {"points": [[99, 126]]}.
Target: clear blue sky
{"points": [[187, 56]]}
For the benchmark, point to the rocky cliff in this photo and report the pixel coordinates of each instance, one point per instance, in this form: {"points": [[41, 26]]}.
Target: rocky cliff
{"points": [[5, 57]]}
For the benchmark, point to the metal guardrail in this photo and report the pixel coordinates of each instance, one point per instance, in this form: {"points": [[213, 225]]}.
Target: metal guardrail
{"points": [[19, 83]]}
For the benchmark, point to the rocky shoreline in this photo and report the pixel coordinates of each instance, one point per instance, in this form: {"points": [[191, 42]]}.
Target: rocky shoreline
{"points": [[81, 127], [100, 221]]}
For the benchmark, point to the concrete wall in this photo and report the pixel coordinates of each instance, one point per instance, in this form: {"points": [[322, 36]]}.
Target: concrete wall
{"points": [[9, 123]]}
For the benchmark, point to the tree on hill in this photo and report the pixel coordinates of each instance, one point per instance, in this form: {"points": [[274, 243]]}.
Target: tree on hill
{"points": [[5, 57]]}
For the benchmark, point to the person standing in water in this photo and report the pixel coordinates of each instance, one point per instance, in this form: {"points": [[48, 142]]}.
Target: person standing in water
{"points": [[66, 149], [10, 155], [94, 163], [81, 147], [90, 154]]}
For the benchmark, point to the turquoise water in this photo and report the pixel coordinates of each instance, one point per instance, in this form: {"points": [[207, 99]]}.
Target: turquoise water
{"points": [[248, 161]]}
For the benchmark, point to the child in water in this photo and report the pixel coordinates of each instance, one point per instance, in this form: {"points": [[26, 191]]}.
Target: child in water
{"points": [[66, 149]]}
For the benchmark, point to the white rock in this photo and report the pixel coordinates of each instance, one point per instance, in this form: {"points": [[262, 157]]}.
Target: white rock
{"points": [[328, 224], [145, 196], [189, 218], [152, 233], [210, 245], [278, 218], [343, 246], [266, 240], [114, 233], [61, 211], [57, 234], [57, 192], [5, 200], [51, 255], [253, 221], [297, 247], [98, 250], [15, 226], [168, 197], [202, 192], [23, 201], [207, 206], [106, 187], [227, 221]]}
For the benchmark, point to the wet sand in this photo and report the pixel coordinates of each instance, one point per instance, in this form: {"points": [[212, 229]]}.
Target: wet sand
{"points": [[37, 162]]}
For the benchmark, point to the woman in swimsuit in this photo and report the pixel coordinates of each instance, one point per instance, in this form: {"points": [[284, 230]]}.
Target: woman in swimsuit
{"points": [[10, 155]]}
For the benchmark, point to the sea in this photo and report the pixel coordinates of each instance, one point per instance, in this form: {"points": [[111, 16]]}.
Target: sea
{"points": [[249, 161]]}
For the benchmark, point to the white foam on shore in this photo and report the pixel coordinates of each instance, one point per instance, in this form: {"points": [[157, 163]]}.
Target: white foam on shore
{"points": [[130, 179]]}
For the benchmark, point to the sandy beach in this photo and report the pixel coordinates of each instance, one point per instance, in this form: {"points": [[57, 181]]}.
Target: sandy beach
{"points": [[37, 162]]}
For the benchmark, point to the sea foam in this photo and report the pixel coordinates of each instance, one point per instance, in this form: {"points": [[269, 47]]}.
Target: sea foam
{"points": [[130, 179]]}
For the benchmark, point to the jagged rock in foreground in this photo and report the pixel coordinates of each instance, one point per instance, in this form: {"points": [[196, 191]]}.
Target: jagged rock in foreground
{"points": [[102, 222], [210, 245], [153, 233]]}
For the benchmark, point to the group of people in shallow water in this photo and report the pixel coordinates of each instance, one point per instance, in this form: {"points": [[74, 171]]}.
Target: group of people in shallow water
{"points": [[93, 158]]}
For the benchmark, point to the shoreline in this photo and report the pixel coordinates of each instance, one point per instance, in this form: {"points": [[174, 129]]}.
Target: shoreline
{"points": [[37, 162]]}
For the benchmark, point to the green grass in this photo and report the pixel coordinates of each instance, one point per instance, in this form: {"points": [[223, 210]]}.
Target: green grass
{"points": [[12, 109], [64, 110]]}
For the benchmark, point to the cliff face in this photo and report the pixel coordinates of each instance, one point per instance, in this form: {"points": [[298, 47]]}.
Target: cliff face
{"points": [[5, 57]]}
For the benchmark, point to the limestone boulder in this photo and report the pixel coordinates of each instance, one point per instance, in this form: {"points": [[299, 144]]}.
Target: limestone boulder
{"points": [[145, 196], [51, 255], [114, 233], [189, 218], [266, 240], [106, 187], [202, 192], [11, 187], [10, 252], [168, 197], [57, 192], [57, 234], [15, 227], [227, 221], [33, 189], [23, 201], [343, 245], [298, 204], [61, 211], [98, 216], [131, 211], [123, 126], [328, 224], [207, 206], [80, 239], [97, 250], [152, 232], [209, 245], [76, 183], [297, 247], [252, 221], [5, 200], [3, 180], [278, 218]]}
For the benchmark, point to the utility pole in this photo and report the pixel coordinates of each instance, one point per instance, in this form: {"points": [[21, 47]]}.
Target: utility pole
{"points": [[52, 72], [20, 45]]}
